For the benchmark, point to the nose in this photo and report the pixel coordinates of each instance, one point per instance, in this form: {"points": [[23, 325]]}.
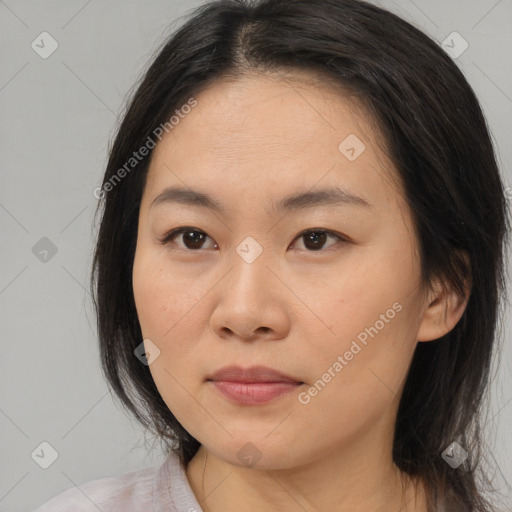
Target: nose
{"points": [[250, 302]]}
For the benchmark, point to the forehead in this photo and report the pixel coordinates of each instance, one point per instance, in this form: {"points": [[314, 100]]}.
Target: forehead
{"points": [[258, 108], [258, 131]]}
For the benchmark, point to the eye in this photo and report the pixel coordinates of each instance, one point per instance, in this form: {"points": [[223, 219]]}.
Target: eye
{"points": [[314, 239], [193, 239]]}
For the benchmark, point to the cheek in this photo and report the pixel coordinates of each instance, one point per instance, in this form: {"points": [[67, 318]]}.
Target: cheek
{"points": [[358, 376], [366, 285], [170, 314], [164, 303], [373, 314], [150, 301], [161, 298]]}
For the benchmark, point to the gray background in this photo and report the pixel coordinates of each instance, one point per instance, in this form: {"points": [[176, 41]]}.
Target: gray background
{"points": [[58, 115]]}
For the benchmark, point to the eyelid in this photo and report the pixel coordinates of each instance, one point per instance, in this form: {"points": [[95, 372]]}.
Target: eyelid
{"points": [[341, 238], [178, 231]]}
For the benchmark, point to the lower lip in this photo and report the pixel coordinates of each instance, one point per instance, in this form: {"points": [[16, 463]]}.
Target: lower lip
{"points": [[254, 392]]}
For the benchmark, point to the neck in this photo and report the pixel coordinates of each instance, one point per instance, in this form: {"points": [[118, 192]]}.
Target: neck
{"points": [[361, 477]]}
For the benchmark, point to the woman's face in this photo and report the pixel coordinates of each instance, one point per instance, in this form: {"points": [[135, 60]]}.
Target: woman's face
{"points": [[339, 308]]}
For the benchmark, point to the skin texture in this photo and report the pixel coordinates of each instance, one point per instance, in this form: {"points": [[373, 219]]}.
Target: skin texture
{"points": [[249, 143]]}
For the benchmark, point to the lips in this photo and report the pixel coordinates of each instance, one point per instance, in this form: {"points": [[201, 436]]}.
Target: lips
{"points": [[256, 385], [254, 374]]}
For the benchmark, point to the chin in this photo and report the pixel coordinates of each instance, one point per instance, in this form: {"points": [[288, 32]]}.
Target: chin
{"points": [[257, 453]]}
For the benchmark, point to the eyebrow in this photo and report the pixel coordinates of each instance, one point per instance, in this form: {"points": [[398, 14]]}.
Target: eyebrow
{"points": [[328, 196]]}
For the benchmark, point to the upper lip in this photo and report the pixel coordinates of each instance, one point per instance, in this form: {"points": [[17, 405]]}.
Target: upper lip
{"points": [[251, 374]]}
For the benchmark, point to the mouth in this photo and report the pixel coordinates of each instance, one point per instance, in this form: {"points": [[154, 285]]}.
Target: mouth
{"points": [[254, 385]]}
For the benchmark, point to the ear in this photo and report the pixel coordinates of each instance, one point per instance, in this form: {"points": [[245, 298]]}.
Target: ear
{"points": [[443, 308]]}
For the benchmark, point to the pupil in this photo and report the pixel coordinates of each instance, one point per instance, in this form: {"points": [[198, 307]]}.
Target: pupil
{"points": [[317, 238]]}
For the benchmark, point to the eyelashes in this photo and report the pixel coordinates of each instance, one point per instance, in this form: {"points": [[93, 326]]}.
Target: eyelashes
{"points": [[169, 238], [314, 238]]}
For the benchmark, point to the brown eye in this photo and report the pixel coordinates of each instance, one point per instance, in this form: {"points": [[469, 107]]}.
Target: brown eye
{"points": [[192, 239], [314, 239]]}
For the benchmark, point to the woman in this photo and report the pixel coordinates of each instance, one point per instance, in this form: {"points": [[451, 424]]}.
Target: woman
{"points": [[299, 267]]}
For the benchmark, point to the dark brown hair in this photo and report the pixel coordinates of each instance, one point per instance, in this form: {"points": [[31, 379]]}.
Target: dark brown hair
{"points": [[436, 135]]}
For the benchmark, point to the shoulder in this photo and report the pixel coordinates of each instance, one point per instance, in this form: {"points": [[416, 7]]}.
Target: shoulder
{"points": [[127, 492]]}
